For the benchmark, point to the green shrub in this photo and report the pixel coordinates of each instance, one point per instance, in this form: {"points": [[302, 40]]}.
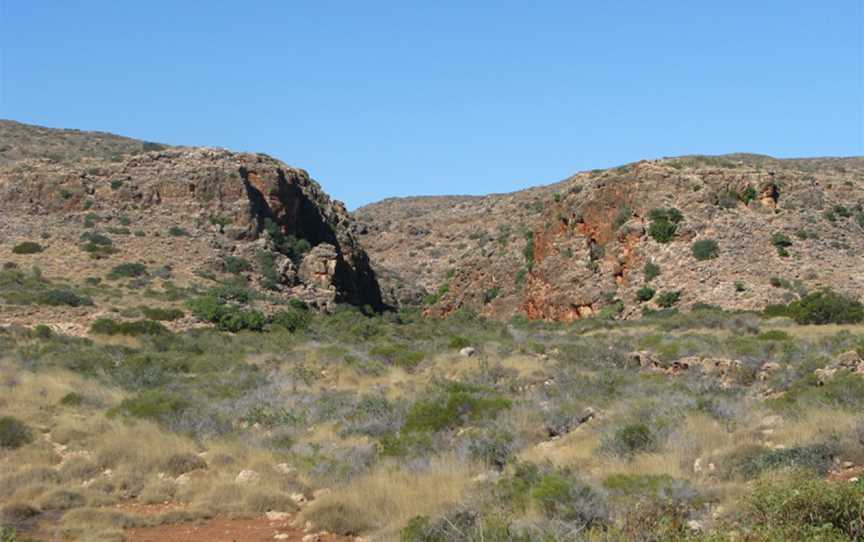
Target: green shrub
{"points": [[442, 290], [293, 319], [239, 320], [457, 404], [266, 265], [107, 326], [458, 342], [235, 265], [645, 293], [27, 247], [629, 440], [128, 269], [490, 294], [800, 507], [705, 249], [774, 335], [662, 231], [157, 405], [563, 497], [781, 242], [750, 462], [41, 331], [664, 224], [397, 354], [822, 307], [651, 271], [72, 399], [161, 314], [177, 231], [116, 184], [98, 245], [740, 286], [528, 250], [667, 299], [14, 433], [842, 211], [63, 296]]}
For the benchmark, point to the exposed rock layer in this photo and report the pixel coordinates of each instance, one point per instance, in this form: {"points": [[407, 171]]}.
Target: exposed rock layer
{"points": [[579, 247]]}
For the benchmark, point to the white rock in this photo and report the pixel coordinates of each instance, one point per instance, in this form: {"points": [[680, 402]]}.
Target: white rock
{"points": [[277, 516], [468, 351], [694, 525], [284, 468], [298, 498], [248, 476], [281, 536]]}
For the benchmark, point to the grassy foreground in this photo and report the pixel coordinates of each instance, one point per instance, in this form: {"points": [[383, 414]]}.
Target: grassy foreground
{"points": [[699, 426]]}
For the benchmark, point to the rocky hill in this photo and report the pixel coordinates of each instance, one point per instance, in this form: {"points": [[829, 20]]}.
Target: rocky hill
{"points": [[85, 203], [736, 231]]}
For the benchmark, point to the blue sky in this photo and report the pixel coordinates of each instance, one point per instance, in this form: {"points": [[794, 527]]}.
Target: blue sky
{"points": [[379, 99]]}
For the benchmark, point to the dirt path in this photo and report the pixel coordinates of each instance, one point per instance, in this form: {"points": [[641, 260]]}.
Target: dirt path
{"points": [[261, 529]]}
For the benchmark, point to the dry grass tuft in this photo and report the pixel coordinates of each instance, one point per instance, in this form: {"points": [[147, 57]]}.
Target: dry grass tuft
{"points": [[389, 496]]}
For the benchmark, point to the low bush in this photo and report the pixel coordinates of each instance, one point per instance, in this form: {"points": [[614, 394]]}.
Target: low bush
{"points": [[781, 242], [645, 293], [98, 245], [667, 299], [664, 224], [14, 433], [161, 314], [705, 249], [127, 270], [27, 247], [181, 463], [397, 354], [750, 462], [64, 296], [805, 508], [454, 405], [177, 231], [107, 326], [235, 265], [565, 497], [156, 405], [293, 319], [819, 308], [651, 271], [629, 440]]}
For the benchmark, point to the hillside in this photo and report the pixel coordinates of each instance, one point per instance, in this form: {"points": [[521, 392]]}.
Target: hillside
{"points": [[195, 347], [120, 226], [20, 141], [769, 229]]}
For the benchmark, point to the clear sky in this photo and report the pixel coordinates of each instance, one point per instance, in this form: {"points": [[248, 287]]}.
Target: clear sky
{"points": [[386, 98]]}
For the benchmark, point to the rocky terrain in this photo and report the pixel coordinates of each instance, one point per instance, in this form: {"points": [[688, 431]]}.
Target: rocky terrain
{"points": [[192, 216], [768, 230]]}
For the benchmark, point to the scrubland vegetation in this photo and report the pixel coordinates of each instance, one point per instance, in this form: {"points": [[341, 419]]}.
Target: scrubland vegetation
{"points": [[681, 426]]}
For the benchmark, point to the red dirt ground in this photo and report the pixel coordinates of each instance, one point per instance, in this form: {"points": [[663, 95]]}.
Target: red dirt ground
{"points": [[226, 530]]}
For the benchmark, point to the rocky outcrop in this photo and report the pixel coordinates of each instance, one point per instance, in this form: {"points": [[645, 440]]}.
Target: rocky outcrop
{"points": [[225, 204], [579, 248]]}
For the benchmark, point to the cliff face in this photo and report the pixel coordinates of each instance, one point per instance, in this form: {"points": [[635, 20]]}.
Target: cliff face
{"points": [[579, 248], [191, 209]]}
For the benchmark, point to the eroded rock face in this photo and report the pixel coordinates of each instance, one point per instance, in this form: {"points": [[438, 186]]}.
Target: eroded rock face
{"points": [[223, 200], [579, 248]]}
